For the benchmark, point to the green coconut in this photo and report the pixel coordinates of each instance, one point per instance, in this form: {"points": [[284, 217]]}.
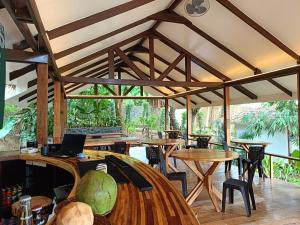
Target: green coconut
{"points": [[99, 190]]}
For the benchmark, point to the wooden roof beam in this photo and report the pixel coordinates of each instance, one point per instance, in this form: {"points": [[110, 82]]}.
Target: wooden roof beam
{"points": [[159, 72], [101, 52], [96, 18], [171, 66], [202, 64], [34, 12], [113, 97], [89, 80], [20, 72], [25, 57], [128, 61], [251, 79], [23, 27], [154, 88], [232, 8]]}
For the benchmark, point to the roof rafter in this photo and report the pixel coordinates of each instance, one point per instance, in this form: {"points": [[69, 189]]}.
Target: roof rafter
{"points": [[232, 8], [96, 18], [158, 71], [256, 70], [101, 52], [202, 64]]}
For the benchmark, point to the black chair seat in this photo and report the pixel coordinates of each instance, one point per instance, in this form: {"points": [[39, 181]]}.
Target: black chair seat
{"points": [[244, 187], [190, 146], [234, 183], [176, 175], [155, 154]]}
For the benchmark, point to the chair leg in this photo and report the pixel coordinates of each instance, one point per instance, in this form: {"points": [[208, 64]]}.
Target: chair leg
{"points": [[184, 187], [175, 162], [229, 163], [239, 165], [251, 192], [224, 198], [231, 195], [226, 165], [245, 194]]}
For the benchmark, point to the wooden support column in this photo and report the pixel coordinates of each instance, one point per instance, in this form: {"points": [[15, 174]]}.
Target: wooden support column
{"points": [[167, 114], [63, 109], [111, 58], [142, 91], [227, 114], [42, 104], [188, 115], [95, 89], [298, 96], [188, 68], [57, 126], [119, 86], [151, 57]]}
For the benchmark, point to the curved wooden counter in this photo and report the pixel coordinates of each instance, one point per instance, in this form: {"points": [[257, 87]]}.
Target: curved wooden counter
{"points": [[163, 205]]}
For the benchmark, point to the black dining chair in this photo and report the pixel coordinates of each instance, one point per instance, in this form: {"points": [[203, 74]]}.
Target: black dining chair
{"points": [[173, 135], [152, 156], [181, 176], [228, 163], [256, 153], [119, 147], [160, 136], [201, 143], [245, 187]]}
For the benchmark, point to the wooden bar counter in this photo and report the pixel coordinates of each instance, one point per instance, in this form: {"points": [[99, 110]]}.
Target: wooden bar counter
{"points": [[163, 205]]}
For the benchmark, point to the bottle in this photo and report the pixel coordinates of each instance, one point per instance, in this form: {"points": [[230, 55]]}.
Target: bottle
{"points": [[37, 216], [26, 214]]}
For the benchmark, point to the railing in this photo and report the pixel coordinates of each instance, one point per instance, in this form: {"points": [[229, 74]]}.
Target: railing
{"points": [[271, 156]]}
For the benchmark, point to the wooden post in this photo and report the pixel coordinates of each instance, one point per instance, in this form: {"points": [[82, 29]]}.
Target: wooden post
{"points": [[63, 108], [151, 57], [188, 68], [166, 114], [271, 166], [142, 91], [188, 116], [298, 96], [227, 114], [111, 67], [57, 126], [95, 89], [42, 104]]}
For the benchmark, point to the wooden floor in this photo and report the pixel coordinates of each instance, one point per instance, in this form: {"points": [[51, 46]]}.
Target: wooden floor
{"points": [[278, 202]]}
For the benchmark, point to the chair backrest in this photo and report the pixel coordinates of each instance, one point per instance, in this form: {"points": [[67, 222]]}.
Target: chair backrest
{"points": [[173, 135], [119, 147], [162, 162], [256, 153], [251, 172], [159, 133], [225, 146], [202, 142], [152, 156]]}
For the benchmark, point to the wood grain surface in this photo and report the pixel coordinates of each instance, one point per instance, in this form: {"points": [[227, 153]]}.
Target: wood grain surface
{"points": [[205, 155], [163, 205]]}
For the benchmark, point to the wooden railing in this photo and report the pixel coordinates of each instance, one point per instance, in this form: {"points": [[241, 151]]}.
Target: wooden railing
{"points": [[271, 156]]}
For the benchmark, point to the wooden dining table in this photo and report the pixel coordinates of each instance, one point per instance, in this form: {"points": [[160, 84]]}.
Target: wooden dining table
{"points": [[166, 145], [195, 159], [96, 142], [245, 143]]}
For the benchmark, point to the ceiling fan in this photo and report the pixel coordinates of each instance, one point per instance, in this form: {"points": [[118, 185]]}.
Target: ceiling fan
{"points": [[196, 7]]}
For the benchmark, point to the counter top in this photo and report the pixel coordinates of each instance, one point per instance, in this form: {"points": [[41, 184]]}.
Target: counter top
{"points": [[163, 205], [9, 155]]}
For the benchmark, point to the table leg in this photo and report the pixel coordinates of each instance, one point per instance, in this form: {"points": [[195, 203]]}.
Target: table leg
{"points": [[127, 149], [204, 180], [168, 153]]}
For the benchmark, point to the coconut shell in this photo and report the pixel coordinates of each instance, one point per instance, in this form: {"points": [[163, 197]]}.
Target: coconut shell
{"points": [[75, 213]]}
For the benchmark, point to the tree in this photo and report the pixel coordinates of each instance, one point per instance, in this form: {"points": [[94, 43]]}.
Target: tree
{"points": [[279, 116]]}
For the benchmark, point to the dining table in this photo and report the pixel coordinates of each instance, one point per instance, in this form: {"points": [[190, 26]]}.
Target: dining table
{"points": [[166, 145], [246, 143], [195, 159], [96, 142]]}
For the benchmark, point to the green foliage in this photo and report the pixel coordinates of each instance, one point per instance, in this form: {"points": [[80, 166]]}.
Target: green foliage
{"points": [[295, 154], [282, 170], [273, 117]]}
